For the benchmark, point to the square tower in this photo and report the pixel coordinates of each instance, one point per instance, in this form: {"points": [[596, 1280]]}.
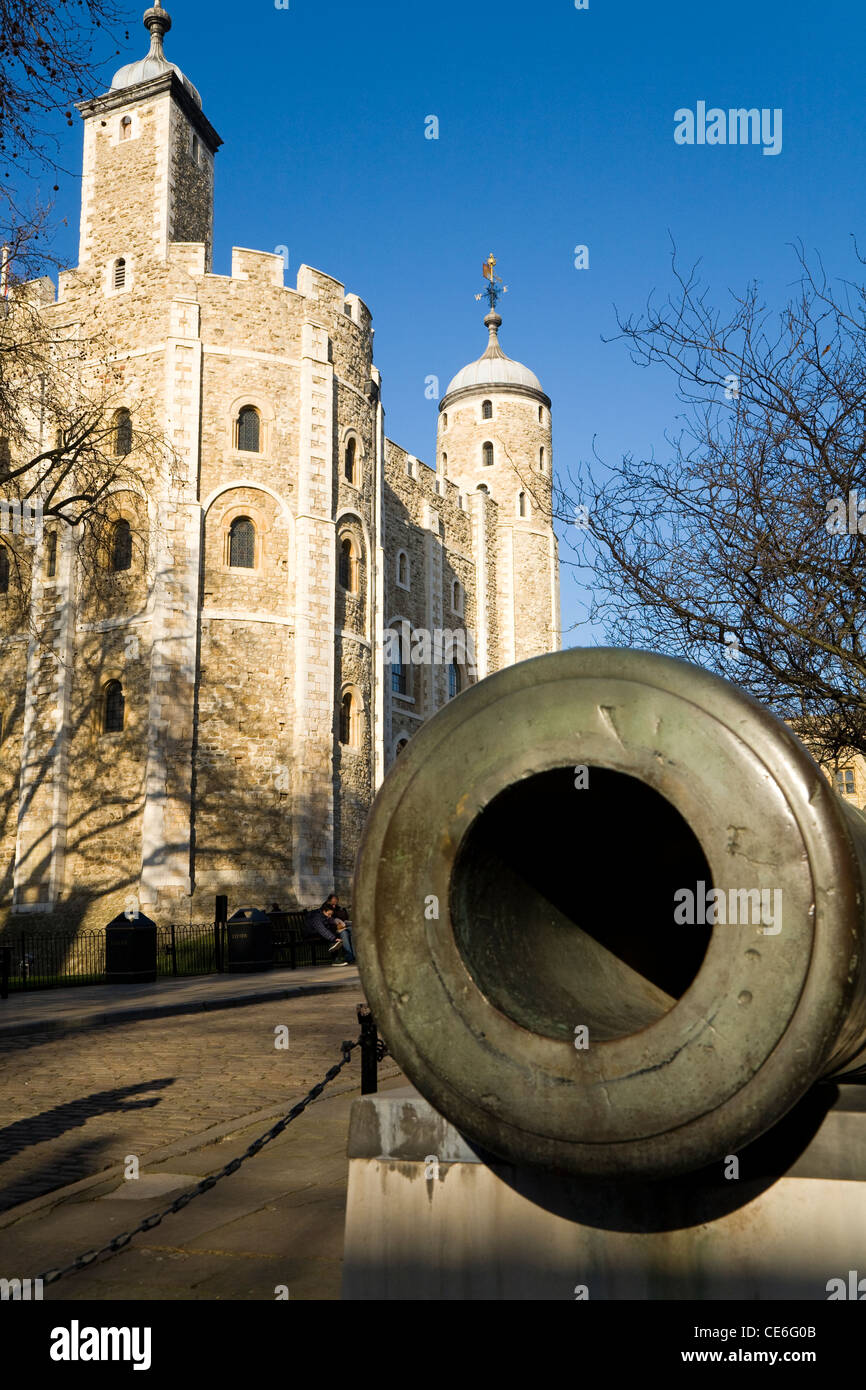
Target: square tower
{"points": [[148, 169]]}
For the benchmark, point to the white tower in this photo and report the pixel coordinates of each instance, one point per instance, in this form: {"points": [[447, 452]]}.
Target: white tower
{"points": [[495, 438]]}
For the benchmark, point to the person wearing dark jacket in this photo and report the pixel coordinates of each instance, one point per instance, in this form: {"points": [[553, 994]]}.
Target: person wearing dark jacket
{"points": [[342, 925], [322, 923]]}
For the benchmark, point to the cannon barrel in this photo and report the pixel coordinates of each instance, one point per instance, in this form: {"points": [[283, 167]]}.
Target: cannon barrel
{"points": [[609, 916]]}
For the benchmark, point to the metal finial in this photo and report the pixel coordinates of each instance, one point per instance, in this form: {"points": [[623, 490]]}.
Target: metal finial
{"points": [[158, 21]]}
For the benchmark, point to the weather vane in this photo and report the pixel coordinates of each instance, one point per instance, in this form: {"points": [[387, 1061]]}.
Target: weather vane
{"points": [[493, 291]]}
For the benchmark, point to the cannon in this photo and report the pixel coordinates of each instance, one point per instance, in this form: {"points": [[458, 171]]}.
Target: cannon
{"points": [[609, 916]]}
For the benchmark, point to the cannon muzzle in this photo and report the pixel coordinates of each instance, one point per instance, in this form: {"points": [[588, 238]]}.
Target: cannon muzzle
{"points": [[609, 916]]}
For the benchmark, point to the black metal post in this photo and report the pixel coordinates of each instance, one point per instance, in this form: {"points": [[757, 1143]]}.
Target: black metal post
{"points": [[369, 1049], [220, 918], [23, 961], [5, 964], [173, 951]]}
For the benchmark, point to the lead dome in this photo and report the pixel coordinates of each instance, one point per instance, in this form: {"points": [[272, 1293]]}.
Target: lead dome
{"points": [[494, 368], [155, 64]]}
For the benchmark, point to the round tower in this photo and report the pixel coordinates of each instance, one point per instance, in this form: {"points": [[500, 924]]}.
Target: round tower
{"points": [[495, 438]]}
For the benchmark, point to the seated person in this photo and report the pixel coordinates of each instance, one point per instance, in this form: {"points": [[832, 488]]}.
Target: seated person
{"points": [[341, 924], [322, 923]]}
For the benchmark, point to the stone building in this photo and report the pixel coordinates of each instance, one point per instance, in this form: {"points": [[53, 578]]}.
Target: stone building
{"points": [[217, 715]]}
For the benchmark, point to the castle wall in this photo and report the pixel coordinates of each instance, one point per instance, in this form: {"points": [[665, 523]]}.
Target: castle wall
{"points": [[237, 768]]}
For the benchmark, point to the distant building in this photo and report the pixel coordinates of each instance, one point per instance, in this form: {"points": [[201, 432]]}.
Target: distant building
{"points": [[221, 720]]}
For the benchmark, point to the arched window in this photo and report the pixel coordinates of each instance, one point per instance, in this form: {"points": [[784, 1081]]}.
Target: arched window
{"points": [[195, 148], [126, 128], [444, 463], [445, 421], [348, 569], [248, 429], [521, 504], [401, 744], [403, 569], [121, 547], [482, 487], [456, 596], [350, 463], [346, 720], [122, 432], [541, 458], [113, 708], [51, 558], [4, 570], [454, 680], [487, 454], [242, 544], [59, 438], [541, 415], [487, 410], [119, 273]]}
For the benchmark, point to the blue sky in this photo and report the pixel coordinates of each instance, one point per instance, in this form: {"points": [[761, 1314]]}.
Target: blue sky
{"points": [[555, 129]]}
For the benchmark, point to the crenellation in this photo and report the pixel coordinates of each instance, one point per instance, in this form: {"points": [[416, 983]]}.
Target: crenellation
{"points": [[288, 536]]}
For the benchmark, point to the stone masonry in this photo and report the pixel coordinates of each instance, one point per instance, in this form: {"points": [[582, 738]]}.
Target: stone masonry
{"points": [[260, 707]]}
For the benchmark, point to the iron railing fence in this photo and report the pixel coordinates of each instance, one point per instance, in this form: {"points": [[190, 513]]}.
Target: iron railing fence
{"points": [[45, 960]]}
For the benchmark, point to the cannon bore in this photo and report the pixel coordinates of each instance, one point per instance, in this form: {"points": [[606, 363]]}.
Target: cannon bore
{"points": [[610, 916]]}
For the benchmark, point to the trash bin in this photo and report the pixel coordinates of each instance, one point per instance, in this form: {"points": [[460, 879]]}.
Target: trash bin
{"points": [[250, 941], [130, 950]]}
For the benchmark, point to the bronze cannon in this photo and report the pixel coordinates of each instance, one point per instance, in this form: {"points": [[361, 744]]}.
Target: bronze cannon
{"points": [[609, 916]]}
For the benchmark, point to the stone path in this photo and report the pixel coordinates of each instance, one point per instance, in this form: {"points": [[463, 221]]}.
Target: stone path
{"points": [[72, 1105]]}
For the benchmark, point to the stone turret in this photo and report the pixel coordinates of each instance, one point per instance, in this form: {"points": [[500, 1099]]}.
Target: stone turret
{"points": [[495, 439], [148, 166]]}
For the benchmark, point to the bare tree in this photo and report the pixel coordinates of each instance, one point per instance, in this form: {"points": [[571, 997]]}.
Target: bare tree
{"points": [[744, 550], [52, 54]]}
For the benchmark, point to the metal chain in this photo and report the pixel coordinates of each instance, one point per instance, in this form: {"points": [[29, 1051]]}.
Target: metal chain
{"points": [[82, 1261]]}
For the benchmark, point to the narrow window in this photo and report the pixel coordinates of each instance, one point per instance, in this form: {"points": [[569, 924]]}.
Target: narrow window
{"points": [[126, 128], [403, 570], [482, 487], [399, 680], [195, 148], [346, 720], [845, 781], [4, 570], [113, 708], [248, 429], [445, 421], [487, 410], [453, 680], [444, 463], [348, 567], [349, 461], [400, 746], [541, 415], [51, 561], [242, 544], [119, 273], [521, 504], [456, 597], [121, 547], [541, 459], [59, 440], [122, 433], [487, 454]]}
